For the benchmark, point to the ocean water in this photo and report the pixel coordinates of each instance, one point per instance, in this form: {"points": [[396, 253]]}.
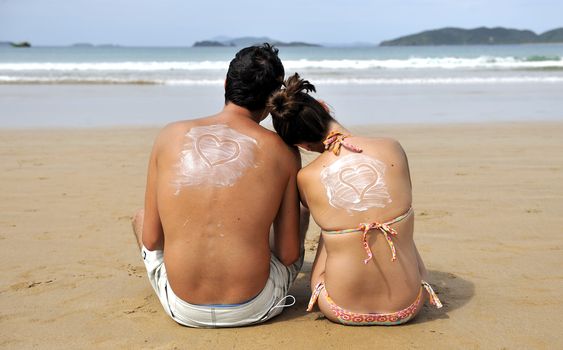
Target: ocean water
{"points": [[52, 86]]}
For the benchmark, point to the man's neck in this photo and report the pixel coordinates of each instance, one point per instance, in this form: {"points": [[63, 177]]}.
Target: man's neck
{"points": [[232, 109]]}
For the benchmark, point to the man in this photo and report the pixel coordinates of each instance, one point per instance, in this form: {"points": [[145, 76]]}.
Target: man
{"points": [[215, 186]]}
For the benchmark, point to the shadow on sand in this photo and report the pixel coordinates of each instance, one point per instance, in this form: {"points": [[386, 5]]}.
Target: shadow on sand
{"points": [[453, 291]]}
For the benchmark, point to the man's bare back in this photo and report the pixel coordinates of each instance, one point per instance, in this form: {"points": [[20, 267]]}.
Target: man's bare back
{"points": [[216, 227]]}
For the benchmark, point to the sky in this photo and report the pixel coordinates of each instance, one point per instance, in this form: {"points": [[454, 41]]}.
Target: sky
{"points": [[182, 22]]}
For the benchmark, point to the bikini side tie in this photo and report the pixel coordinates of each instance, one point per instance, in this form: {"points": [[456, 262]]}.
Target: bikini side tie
{"points": [[335, 140], [386, 230], [434, 300]]}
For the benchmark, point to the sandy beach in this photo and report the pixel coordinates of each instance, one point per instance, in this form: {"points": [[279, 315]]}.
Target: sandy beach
{"points": [[488, 201]]}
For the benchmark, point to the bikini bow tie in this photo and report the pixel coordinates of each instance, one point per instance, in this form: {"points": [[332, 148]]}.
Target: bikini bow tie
{"points": [[335, 140], [387, 232]]}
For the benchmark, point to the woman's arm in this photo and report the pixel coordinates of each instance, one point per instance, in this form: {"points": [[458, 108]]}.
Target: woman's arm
{"points": [[318, 270], [421, 268]]}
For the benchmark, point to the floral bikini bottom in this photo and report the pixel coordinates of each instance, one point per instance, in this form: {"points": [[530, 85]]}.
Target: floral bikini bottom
{"points": [[372, 319]]}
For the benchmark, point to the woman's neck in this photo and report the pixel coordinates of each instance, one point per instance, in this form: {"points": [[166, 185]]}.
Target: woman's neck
{"points": [[336, 127], [334, 141], [319, 147]]}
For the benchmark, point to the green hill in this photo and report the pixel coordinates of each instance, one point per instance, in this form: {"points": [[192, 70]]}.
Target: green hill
{"points": [[248, 41], [552, 36], [477, 36]]}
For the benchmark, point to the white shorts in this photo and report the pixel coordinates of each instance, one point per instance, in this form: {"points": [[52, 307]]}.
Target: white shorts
{"points": [[267, 304]]}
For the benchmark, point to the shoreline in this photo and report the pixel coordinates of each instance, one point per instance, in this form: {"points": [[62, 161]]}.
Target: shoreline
{"points": [[126, 106], [355, 127]]}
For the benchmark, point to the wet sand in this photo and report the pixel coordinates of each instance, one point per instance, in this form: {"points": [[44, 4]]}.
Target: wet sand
{"points": [[488, 201]]}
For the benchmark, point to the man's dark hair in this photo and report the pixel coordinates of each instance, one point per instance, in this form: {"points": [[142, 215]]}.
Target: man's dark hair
{"points": [[253, 75]]}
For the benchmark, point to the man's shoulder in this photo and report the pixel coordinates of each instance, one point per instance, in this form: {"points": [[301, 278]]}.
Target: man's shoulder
{"points": [[272, 143], [271, 138], [172, 128], [282, 148], [172, 133], [180, 127]]}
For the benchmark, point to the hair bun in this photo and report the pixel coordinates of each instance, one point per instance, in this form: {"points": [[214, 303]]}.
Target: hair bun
{"points": [[278, 101], [284, 103], [281, 104], [295, 85]]}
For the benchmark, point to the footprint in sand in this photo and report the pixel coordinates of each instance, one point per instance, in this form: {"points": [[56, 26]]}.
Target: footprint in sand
{"points": [[432, 214], [29, 284], [137, 271], [146, 306], [44, 236]]}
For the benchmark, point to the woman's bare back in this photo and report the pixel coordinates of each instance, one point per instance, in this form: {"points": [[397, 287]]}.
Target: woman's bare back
{"points": [[370, 187]]}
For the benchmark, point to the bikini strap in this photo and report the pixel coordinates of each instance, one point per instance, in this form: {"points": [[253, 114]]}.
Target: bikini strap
{"points": [[335, 140], [387, 231], [434, 300], [318, 288]]}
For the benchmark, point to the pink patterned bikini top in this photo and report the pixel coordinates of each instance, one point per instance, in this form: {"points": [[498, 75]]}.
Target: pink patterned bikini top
{"points": [[333, 142]]}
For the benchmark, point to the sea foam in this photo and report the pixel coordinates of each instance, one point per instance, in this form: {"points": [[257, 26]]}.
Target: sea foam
{"points": [[482, 62]]}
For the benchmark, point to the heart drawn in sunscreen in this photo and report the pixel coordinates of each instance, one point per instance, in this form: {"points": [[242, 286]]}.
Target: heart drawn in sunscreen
{"points": [[360, 179], [215, 151]]}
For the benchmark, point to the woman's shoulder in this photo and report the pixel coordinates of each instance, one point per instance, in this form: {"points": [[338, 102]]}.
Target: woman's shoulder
{"points": [[380, 141], [381, 146], [310, 172], [306, 171]]}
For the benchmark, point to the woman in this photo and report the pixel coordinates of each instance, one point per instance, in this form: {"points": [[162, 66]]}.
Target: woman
{"points": [[367, 270]]}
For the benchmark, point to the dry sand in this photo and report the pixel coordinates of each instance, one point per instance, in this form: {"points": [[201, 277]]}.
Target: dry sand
{"points": [[488, 202]]}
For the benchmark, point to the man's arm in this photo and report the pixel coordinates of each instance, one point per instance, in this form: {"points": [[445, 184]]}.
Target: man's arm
{"points": [[286, 223], [153, 235]]}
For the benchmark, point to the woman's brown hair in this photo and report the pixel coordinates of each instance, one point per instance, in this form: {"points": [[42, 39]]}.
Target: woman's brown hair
{"points": [[296, 115]]}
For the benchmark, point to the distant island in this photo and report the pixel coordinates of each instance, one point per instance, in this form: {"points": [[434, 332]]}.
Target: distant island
{"points": [[14, 44], [249, 40], [477, 36]]}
